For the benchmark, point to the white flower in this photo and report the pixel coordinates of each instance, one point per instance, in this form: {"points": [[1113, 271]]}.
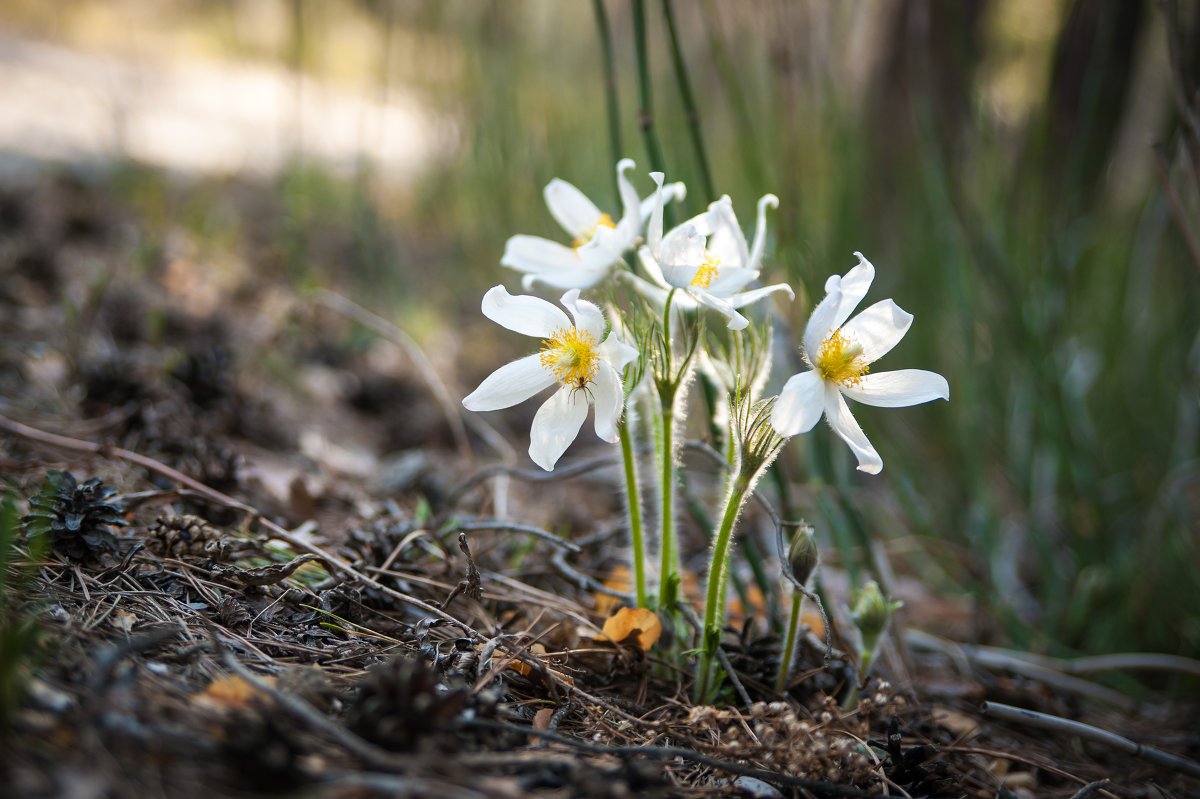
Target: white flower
{"points": [[840, 354], [707, 258], [581, 357], [599, 242]]}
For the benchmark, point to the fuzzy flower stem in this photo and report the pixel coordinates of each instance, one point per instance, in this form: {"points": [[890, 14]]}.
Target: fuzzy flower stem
{"points": [[669, 565], [718, 576], [633, 497], [669, 570]]}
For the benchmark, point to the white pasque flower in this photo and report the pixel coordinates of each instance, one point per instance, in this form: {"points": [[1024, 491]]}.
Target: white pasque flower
{"points": [[708, 259], [599, 242], [841, 354], [582, 357]]}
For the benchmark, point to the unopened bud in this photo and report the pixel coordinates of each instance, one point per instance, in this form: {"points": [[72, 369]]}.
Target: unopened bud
{"points": [[803, 554], [870, 615]]}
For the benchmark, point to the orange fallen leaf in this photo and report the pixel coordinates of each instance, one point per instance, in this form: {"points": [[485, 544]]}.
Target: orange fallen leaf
{"points": [[639, 623], [812, 619], [229, 692], [618, 580]]}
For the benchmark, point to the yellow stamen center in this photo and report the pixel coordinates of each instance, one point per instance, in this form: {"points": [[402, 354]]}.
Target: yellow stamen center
{"points": [[842, 361], [604, 221], [570, 355], [707, 272]]}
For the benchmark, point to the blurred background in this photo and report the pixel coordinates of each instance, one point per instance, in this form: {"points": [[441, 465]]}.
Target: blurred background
{"points": [[1014, 169]]}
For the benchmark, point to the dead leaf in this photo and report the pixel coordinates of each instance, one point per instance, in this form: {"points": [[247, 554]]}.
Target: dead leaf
{"points": [[263, 575], [640, 624], [619, 580], [229, 693]]}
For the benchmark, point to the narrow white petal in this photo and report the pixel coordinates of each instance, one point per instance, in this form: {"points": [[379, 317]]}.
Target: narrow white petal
{"points": [[555, 426], [571, 208], [899, 389], [630, 226], [608, 396], [754, 295], [854, 285], [654, 231], [820, 321], [800, 405], [672, 191], [844, 424], [532, 316], [587, 316], [512, 383], [760, 231], [878, 328], [736, 320]]}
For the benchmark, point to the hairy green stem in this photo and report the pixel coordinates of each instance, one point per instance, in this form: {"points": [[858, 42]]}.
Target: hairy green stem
{"points": [[634, 499], [789, 643], [610, 85], [669, 568], [689, 103], [714, 602]]}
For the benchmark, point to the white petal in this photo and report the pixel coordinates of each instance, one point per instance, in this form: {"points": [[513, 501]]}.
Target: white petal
{"points": [[608, 396], [574, 211], [630, 225], [587, 316], [754, 295], [555, 426], [820, 321], [800, 405], [729, 281], [736, 320], [682, 255], [899, 389], [654, 231], [512, 383], [617, 352], [844, 424], [532, 316], [760, 231], [550, 262], [854, 285], [726, 241], [672, 191], [878, 328], [650, 264]]}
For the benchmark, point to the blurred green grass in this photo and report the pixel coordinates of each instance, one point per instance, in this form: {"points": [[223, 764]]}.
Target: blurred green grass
{"points": [[980, 159]]}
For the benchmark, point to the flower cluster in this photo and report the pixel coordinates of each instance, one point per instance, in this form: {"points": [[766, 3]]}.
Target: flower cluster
{"points": [[703, 263], [615, 359]]}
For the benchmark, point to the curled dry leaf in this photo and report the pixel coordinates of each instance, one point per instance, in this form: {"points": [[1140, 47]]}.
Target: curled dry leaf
{"points": [[638, 624]]}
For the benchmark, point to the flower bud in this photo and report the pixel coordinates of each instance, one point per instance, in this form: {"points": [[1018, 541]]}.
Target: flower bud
{"points": [[803, 554], [870, 615]]}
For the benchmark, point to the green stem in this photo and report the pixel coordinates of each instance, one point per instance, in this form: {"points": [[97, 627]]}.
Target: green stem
{"points": [[669, 568], [789, 643], [645, 114], [714, 602], [610, 85], [635, 513], [689, 103]]}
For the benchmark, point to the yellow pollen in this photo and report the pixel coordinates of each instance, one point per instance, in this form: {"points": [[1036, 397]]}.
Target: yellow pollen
{"points": [[604, 221], [707, 272], [570, 355], [842, 361]]}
